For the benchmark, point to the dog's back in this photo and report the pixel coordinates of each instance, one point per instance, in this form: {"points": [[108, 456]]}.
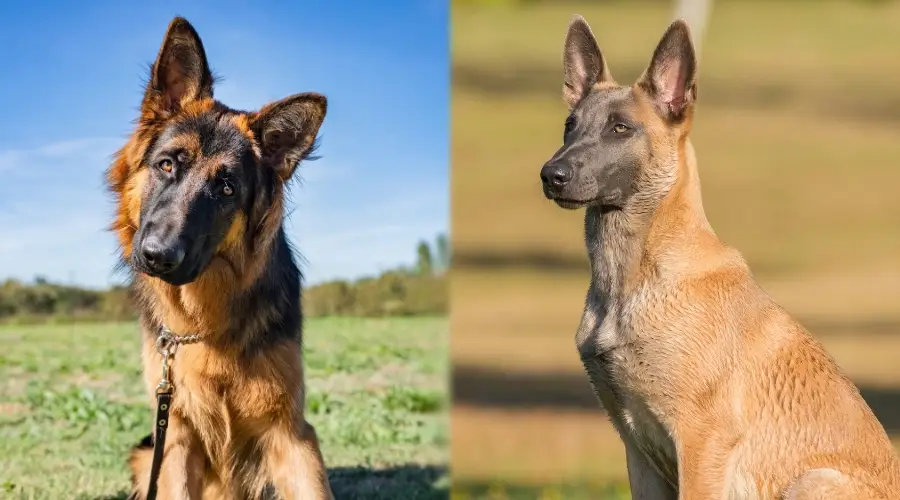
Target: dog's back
{"points": [[755, 390]]}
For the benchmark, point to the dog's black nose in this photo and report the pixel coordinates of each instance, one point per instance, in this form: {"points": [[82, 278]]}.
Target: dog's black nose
{"points": [[556, 175], [161, 258]]}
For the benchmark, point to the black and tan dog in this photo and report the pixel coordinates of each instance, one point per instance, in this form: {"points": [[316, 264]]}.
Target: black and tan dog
{"points": [[715, 390], [200, 202]]}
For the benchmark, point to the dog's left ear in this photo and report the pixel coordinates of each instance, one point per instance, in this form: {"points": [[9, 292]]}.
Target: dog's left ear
{"points": [[671, 78], [287, 129], [180, 73], [583, 62]]}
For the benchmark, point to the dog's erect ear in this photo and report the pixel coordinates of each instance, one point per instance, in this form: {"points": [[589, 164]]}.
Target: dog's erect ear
{"points": [[671, 78], [583, 62], [180, 73], [287, 129]]}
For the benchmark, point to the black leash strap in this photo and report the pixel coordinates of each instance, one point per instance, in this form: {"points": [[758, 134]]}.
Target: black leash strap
{"points": [[166, 344], [163, 403]]}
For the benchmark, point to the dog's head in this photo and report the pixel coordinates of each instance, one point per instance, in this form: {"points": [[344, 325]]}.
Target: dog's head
{"points": [[621, 140], [200, 182]]}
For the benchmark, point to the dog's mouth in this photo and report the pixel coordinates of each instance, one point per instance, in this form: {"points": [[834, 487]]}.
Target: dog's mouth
{"points": [[557, 196], [570, 204], [197, 263], [184, 275], [195, 272]]}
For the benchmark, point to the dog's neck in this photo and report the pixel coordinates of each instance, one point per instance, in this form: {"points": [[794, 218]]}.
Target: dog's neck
{"points": [[224, 311], [650, 238]]}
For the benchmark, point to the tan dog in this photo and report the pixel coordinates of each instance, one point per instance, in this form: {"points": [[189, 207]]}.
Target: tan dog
{"points": [[200, 203], [714, 389]]}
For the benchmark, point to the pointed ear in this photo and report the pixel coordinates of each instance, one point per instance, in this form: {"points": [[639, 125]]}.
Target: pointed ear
{"points": [[671, 78], [286, 130], [583, 62], [180, 73]]}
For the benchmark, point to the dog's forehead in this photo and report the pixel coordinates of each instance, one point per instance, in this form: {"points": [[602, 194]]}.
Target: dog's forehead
{"points": [[207, 135], [602, 101]]}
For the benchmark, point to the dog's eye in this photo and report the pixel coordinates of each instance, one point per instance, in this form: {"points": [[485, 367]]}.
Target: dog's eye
{"points": [[227, 190], [165, 165], [570, 124], [620, 128]]}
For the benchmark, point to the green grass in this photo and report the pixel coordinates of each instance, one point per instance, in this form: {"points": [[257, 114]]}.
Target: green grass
{"points": [[72, 404], [501, 491]]}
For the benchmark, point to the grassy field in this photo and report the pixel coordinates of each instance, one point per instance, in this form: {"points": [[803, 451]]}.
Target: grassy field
{"points": [[72, 404], [796, 135]]}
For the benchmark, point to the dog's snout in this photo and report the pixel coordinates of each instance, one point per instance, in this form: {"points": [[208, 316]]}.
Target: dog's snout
{"points": [[161, 258], [556, 175]]}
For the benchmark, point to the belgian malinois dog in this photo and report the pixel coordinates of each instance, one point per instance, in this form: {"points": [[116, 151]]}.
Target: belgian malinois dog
{"points": [[200, 193], [715, 390]]}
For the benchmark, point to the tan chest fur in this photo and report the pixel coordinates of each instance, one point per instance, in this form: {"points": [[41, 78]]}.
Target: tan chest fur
{"points": [[621, 357], [230, 407]]}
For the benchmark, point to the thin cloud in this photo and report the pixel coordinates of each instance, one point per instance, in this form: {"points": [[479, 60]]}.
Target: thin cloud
{"points": [[81, 149]]}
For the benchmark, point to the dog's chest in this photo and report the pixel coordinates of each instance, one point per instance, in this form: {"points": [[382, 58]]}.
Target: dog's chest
{"points": [[226, 409], [620, 365], [208, 407], [202, 398]]}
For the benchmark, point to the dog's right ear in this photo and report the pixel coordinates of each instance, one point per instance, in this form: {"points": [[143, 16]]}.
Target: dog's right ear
{"points": [[671, 78], [180, 73], [287, 130], [583, 62]]}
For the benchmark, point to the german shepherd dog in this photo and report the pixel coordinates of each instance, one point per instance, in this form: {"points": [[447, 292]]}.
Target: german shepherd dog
{"points": [[715, 390], [200, 193]]}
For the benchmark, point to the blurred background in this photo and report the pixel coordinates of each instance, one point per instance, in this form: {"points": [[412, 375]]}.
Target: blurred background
{"points": [[796, 134]]}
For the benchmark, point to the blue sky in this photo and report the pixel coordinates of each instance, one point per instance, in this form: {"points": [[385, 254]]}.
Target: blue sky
{"points": [[72, 83]]}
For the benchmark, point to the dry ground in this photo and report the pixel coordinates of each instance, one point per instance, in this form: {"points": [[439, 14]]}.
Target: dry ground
{"points": [[797, 139]]}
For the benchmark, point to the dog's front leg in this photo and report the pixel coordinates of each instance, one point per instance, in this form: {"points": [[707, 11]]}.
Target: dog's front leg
{"points": [[646, 483], [701, 473], [694, 485], [183, 466], [295, 463]]}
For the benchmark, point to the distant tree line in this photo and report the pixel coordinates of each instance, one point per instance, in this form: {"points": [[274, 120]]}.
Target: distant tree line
{"points": [[420, 289]]}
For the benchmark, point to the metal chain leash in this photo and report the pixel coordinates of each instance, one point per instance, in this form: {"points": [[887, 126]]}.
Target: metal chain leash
{"points": [[166, 344]]}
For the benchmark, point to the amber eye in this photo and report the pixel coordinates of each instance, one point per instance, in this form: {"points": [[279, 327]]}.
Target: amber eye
{"points": [[165, 165], [620, 128], [227, 190]]}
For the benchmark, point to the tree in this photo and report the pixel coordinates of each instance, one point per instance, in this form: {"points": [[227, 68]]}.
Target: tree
{"points": [[442, 249], [425, 263]]}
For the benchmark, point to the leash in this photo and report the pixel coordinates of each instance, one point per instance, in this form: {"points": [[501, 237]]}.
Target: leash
{"points": [[166, 344]]}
